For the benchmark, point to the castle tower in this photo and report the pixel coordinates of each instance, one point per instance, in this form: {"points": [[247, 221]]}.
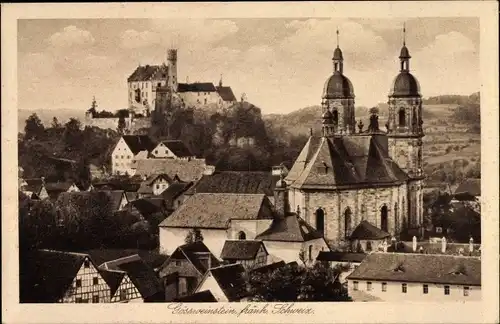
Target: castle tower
{"points": [[404, 130], [338, 97], [172, 69]]}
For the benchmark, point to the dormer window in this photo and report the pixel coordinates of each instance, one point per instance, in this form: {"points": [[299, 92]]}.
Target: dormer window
{"points": [[399, 268]]}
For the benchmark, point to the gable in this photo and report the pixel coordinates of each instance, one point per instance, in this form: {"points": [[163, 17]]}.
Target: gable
{"points": [[121, 147], [209, 283]]}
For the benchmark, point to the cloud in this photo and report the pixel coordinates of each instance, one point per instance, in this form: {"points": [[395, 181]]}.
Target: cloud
{"points": [[71, 36], [452, 42], [134, 39]]}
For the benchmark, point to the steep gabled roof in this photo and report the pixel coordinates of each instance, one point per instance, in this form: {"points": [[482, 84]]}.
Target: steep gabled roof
{"points": [[34, 185], [208, 210], [247, 182], [289, 229], [196, 87], [141, 275], [46, 275], [192, 253], [230, 279], [147, 72], [113, 279], [348, 160], [414, 267], [367, 231], [226, 93], [173, 191], [269, 268], [241, 249], [138, 143], [115, 197], [178, 148]]}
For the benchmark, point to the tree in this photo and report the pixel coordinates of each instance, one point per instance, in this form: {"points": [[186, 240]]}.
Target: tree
{"points": [[34, 128], [72, 134], [193, 236], [121, 125], [55, 123]]}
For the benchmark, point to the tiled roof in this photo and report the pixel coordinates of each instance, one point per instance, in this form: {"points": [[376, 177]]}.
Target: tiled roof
{"points": [[58, 186], [178, 148], [173, 191], [185, 170], [250, 182], [143, 276], [206, 210], [115, 197], [269, 268], [196, 87], [435, 248], [192, 252], [226, 93], [204, 296], [241, 249], [45, 276], [151, 257], [138, 143], [340, 256], [289, 229], [147, 207], [414, 267], [147, 72], [348, 160], [470, 186], [231, 281], [366, 231]]}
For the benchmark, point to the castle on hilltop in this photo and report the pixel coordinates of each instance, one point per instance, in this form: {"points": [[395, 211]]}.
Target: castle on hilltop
{"points": [[150, 87]]}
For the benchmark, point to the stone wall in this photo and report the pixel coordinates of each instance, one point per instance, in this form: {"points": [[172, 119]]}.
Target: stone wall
{"points": [[132, 124], [364, 204]]}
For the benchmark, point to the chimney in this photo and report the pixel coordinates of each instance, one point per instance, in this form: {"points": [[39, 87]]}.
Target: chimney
{"points": [[281, 203], [414, 245], [443, 245]]}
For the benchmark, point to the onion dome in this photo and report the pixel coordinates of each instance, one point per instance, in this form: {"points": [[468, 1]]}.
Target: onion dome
{"points": [[338, 86], [405, 85]]}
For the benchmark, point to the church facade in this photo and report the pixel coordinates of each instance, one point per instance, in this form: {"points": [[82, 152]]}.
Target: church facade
{"points": [[350, 174]]}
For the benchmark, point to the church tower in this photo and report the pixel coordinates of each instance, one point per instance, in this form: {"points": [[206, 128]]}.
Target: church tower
{"points": [[338, 99], [404, 131]]}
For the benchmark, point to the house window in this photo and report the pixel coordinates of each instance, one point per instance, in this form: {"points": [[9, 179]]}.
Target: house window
{"points": [[368, 245], [242, 236], [335, 118], [383, 219], [95, 281], [122, 156], [310, 253], [466, 291], [426, 289], [117, 157], [156, 151], [384, 286], [123, 295], [320, 220], [205, 101], [355, 285], [368, 286], [78, 283], [128, 156], [177, 263], [404, 288], [86, 263], [157, 186], [446, 290], [95, 299], [78, 300]]}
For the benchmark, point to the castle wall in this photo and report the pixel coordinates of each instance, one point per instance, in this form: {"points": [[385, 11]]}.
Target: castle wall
{"points": [[131, 124], [200, 99]]}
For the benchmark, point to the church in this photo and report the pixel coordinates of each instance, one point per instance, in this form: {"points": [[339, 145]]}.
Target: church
{"points": [[352, 176]]}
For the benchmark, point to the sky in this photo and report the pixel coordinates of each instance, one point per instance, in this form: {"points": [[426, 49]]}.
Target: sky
{"points": [[280, 64]]}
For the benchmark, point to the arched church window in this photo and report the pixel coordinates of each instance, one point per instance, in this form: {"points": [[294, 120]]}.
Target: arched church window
{"points": [[242, 235], [402, 117], [383, 218], [320, 220], [335, 118], [347, 222], [396, 216], [368, 246]]}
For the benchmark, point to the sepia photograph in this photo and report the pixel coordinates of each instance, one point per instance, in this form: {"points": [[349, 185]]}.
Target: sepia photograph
{"points": [[269, 161]]}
